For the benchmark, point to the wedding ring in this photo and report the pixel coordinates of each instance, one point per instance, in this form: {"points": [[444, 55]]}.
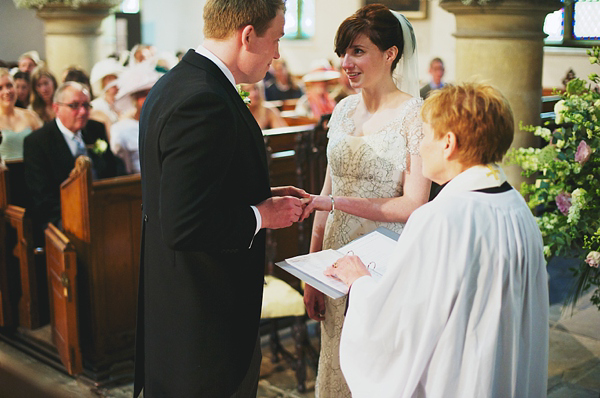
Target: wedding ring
{"points": [[335, 265]]}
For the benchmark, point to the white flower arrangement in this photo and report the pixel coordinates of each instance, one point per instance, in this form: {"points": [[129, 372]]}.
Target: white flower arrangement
{"points": [[98, 147]]}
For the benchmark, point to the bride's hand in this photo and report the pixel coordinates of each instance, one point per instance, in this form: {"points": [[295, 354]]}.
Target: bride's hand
{"points": [[347, 269], [318, 202], [314, 301]]}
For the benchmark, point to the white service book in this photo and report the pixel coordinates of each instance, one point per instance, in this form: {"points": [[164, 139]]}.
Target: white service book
{"points": [[374, 250]]}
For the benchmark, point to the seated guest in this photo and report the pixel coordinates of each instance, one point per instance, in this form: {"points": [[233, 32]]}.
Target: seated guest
{"points": [[23, 87], [267, 118], [281, 86], [15, 123], [317, 101], [436, 70], [462, 310], [104, 75], [76, 74], [50, 153], [43, 85], [133, 84], [29, 61]]}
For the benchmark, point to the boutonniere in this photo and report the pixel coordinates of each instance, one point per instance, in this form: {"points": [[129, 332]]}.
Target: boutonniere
{"points": [[98, 147], [243, 94]]}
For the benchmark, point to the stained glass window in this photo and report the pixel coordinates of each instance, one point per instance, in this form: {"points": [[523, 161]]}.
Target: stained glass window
{"points": [[576, 24]]}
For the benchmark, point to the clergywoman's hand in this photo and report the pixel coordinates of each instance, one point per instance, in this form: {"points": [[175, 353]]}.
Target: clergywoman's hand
{"points": [[347, 269], [314, 301], [318, 202]]}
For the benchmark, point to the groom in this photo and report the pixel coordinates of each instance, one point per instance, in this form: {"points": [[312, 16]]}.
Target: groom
{"points": [[206, 202]]}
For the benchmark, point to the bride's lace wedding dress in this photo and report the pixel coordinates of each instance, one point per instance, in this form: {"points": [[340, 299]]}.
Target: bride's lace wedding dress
{"points": [[370, 166]]}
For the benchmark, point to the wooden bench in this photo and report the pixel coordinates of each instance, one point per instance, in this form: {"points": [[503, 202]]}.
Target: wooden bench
{"points": [[102, 220], [21, 285]]}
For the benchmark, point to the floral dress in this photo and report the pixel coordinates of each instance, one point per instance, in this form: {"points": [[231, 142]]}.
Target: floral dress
{"points": [[370, 166]]}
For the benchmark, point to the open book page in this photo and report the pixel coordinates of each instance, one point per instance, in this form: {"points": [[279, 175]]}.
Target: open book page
{"points": [[316, 263], [374, 249]]}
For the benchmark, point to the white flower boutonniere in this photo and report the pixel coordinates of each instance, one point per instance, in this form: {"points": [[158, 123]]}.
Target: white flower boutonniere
{"points": [[98, 147], [243, 94]]}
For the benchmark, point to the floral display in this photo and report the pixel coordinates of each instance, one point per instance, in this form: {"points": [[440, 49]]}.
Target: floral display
{"points": [[566, 191]]}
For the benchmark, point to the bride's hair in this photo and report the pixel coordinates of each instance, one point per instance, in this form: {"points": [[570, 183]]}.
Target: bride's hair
{"points": [[375, 21]]}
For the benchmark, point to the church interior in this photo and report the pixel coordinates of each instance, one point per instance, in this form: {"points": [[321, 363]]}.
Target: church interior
{"points": [[68, 299]]}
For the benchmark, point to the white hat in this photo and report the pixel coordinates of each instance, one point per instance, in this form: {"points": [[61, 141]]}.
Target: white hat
{"points": [[136, 78], [106, 67], [321, 71], [32, 55]]}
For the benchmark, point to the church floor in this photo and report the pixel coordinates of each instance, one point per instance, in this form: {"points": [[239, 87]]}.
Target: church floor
{"points": [[573, 368]]}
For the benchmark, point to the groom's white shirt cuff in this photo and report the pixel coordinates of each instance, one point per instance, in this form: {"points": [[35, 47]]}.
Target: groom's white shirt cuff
{"points": [[221, 65]]}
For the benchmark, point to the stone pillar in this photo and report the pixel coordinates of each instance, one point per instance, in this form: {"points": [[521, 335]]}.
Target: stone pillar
{"points": [[73, 35], [502, 43]]}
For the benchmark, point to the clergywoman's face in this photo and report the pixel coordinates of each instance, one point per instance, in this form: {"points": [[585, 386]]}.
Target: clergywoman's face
{"points": [[365, 64], [432, 154]]}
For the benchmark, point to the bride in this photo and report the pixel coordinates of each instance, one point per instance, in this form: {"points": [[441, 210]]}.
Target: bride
{"points": [[374, 175]]}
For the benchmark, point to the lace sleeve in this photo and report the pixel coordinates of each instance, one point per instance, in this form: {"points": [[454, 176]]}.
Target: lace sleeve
{"points": [[339, 114], [414, 128]]}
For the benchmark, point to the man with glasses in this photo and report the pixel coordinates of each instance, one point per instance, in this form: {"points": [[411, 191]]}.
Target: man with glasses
{"points": [[49, 154]]}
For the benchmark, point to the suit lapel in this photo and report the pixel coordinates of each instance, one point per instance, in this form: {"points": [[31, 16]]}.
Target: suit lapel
{"points": [[202, 62], [60, 147]]}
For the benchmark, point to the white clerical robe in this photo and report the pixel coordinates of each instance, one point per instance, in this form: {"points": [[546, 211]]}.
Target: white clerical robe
{"points": [[462, 310]]}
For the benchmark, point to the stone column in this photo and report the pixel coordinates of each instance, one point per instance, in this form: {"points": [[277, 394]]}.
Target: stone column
{"points": [[501, 42], [73, 35]]}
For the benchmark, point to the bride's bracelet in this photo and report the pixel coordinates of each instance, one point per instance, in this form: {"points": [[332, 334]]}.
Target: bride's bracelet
{"points": [[332, 204]]}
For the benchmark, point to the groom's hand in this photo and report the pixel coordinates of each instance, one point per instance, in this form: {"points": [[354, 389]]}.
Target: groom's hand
{"points": [[289, 191], [280, 211]]}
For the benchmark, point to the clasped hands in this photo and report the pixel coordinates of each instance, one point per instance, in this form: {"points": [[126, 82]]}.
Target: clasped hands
{"points": [[289, 205]]}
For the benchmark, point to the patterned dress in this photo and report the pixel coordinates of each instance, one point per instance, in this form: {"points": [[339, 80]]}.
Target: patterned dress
{"points": [[370, 166]]}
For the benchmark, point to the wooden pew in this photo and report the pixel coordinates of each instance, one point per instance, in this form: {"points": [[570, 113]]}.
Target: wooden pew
{"points": [[21, 285], [290, 151], [61, 266], [102, 220]]}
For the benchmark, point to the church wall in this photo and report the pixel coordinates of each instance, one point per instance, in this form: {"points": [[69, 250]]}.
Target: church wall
{"points": [[178, 26]]}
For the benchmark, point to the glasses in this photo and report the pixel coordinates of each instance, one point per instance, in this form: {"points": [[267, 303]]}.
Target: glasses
{"points": [[76, 105]]}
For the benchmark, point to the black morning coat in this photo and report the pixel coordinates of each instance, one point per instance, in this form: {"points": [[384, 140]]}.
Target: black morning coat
{"points": [[48, 161], [203, 164]]}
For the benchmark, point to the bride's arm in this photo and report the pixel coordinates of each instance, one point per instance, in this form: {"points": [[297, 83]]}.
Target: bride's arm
{"points": [[314, 300], [415, 193]]}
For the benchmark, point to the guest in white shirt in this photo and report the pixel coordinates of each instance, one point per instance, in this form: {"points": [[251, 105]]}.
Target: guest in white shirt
{"points": [[462, 310], [134, 84]]}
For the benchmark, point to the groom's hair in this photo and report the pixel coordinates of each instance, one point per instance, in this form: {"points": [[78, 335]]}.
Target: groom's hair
{"points": [[222, 18], [478, 114]]}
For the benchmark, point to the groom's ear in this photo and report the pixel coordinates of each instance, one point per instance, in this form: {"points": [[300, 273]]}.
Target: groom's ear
{"points": [[247, 34]]}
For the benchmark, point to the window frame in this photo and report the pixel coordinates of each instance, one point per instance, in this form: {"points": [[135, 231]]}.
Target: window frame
{"points": [[569, 39], [299, 34]]}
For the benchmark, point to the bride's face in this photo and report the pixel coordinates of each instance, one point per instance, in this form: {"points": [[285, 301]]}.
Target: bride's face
{"points": [[365, 64]]}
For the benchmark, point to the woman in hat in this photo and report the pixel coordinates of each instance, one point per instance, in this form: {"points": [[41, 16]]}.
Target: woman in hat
{"points": [[317, 101], [133, 84], [104, 76], [374, 174]]}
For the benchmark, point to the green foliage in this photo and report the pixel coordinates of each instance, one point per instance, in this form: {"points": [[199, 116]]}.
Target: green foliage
{"points": [[566, 191]]}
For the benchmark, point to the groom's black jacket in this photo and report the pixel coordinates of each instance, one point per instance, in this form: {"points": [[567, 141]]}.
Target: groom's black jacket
{"points": [[203, 164]]}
